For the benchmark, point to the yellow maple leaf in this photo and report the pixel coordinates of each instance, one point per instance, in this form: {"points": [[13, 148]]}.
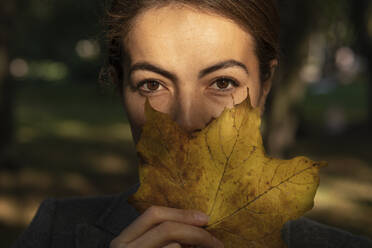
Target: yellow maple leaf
{"points": [[223, 171]]}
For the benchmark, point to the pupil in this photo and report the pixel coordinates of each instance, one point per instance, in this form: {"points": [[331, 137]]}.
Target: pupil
{"points": [[222, 85], [152, 85]]}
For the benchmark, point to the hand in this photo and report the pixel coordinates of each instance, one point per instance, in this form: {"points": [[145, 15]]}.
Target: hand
{"points": [[163, 227]]}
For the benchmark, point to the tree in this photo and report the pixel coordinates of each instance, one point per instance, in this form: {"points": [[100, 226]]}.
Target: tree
{"points": [[302, 20], [7, 9], [297, 20], [359, 13]]}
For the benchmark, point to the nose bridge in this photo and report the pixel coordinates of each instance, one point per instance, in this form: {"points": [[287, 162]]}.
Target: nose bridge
{"points": [[188, 109]]}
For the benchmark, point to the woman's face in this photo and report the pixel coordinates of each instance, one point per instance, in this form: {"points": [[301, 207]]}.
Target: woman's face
{"points": [[190, 65]]}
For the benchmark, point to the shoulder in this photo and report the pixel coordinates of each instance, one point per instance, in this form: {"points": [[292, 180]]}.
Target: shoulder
{"points": [[305, 232], [69, 221], [60, 217], [69, 212]]}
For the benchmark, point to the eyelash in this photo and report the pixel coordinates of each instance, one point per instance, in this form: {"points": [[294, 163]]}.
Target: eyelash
{"points": [[230, 80]]}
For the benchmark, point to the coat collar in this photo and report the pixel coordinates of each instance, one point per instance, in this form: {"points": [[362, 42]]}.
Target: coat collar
{"points": [[116, 217]]}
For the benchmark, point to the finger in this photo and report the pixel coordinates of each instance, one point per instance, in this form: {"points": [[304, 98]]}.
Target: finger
{"points": [[116, 243], [173, 245], [175, 231], [158, 214]]}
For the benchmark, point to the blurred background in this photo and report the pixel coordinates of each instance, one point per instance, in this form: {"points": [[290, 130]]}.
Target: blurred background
{"points": [[62, 134]]}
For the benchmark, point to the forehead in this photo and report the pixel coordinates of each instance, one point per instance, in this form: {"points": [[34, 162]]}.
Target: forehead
{"points": [[182, 33]]}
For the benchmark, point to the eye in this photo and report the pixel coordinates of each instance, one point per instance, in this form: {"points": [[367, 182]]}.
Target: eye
{"points": [[149, 86], [224, 83]]}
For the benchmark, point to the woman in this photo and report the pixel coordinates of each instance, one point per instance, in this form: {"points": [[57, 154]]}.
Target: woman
{"points": [[191, 59]]}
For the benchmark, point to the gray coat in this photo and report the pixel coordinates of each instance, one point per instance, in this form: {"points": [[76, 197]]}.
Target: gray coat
{"points": [[92, 222]]}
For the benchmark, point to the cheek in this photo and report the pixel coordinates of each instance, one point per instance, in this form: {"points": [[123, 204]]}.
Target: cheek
{"points": [[134, 106], [242, 94], [254, 93]]}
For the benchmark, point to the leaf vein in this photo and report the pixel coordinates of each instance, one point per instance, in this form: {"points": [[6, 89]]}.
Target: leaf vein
{"points": [[223, 173], [259, 196]]}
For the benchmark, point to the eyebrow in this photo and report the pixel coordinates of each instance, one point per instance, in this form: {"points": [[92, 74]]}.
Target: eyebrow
{"points": [[221, 65]]}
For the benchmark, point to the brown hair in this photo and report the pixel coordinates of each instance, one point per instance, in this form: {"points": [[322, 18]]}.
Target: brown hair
{"points": [[258, 17]]}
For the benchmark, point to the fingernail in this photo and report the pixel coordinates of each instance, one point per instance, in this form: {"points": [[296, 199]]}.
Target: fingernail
{"points": [[202, 217], [217, 242]]}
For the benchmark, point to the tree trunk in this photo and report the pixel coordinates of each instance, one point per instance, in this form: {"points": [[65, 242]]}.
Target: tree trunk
{"points": [[289, 89], [6, 88], [363, 41]]}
